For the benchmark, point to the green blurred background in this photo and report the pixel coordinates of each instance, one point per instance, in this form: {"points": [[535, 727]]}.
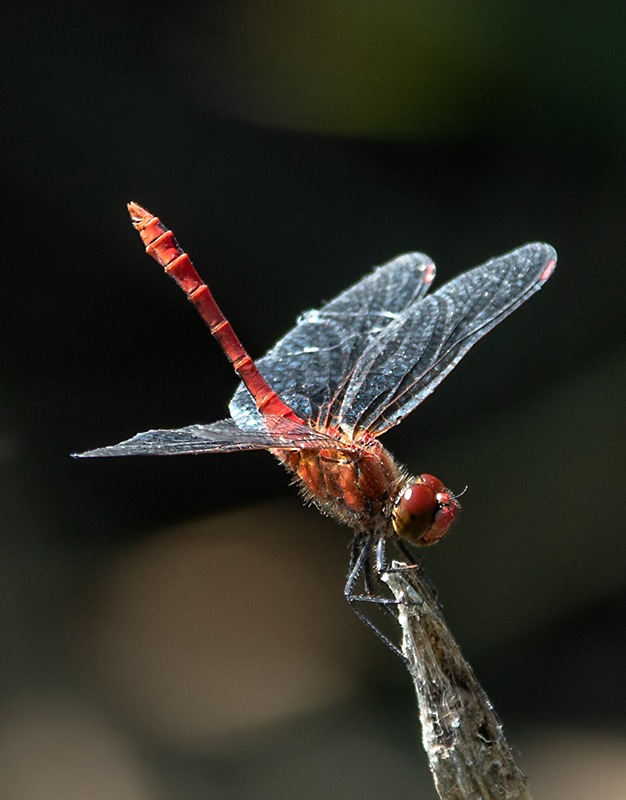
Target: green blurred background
{"points": [[176, 627]]}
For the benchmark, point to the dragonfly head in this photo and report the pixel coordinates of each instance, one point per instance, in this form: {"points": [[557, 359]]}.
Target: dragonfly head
{"points": [[424, 511]]}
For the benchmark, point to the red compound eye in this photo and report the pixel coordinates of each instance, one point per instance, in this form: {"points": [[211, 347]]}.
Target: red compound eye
{"points": [[433, 482], [424, 511]]}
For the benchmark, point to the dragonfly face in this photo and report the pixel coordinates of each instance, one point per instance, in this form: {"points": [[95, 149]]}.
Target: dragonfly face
{"points": [[424, 511]]}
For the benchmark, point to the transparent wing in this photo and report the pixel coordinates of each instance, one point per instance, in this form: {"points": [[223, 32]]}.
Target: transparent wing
{"points": [[218, 437], [413, 354], [310, 365]]}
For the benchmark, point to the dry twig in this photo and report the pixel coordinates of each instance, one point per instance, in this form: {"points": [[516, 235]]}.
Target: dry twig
{"points": [[469, 757]]}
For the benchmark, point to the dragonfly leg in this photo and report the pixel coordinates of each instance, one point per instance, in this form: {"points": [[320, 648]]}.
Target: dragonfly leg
{"points": [[359, 565], [413, 562]]}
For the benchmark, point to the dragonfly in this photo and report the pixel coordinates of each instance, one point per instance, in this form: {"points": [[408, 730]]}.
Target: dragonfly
{"points": [[345, 374]]}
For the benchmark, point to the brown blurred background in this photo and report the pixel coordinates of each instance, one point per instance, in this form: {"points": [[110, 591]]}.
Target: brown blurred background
{"points": [[176, 627]]}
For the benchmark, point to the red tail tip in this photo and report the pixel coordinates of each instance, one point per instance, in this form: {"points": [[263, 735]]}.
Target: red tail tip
{"points": [[138, 214]]}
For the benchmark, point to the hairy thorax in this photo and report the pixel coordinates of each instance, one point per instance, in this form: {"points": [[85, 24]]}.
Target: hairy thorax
{"points": [[356, 485]]}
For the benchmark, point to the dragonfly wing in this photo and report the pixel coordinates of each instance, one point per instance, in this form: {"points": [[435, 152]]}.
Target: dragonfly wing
{"points": [[308, 366], [219, 437], [416, 352]]}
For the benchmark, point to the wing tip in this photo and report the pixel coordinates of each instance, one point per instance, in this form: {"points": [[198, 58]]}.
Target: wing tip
{"points": [[541, 256], [549, 260], [98, 452], [548, 270]]}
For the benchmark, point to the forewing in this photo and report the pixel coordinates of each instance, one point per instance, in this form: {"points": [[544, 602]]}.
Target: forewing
{"points": [[308, 366], [218, 437], [416, 352]]}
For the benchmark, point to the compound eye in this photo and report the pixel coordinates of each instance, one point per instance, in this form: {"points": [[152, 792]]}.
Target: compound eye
{"points": [[414, 513], [434, 483], [424, 511]]}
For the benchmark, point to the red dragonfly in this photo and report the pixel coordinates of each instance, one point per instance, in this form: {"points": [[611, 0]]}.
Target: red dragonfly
{"points": [[344, 375]]}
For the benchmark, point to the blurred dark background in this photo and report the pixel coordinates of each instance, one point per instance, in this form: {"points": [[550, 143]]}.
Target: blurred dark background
{"points": [[176, 627]]}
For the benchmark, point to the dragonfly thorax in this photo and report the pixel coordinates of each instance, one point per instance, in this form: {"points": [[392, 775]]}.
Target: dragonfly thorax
{"points": [[356, 485]]}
